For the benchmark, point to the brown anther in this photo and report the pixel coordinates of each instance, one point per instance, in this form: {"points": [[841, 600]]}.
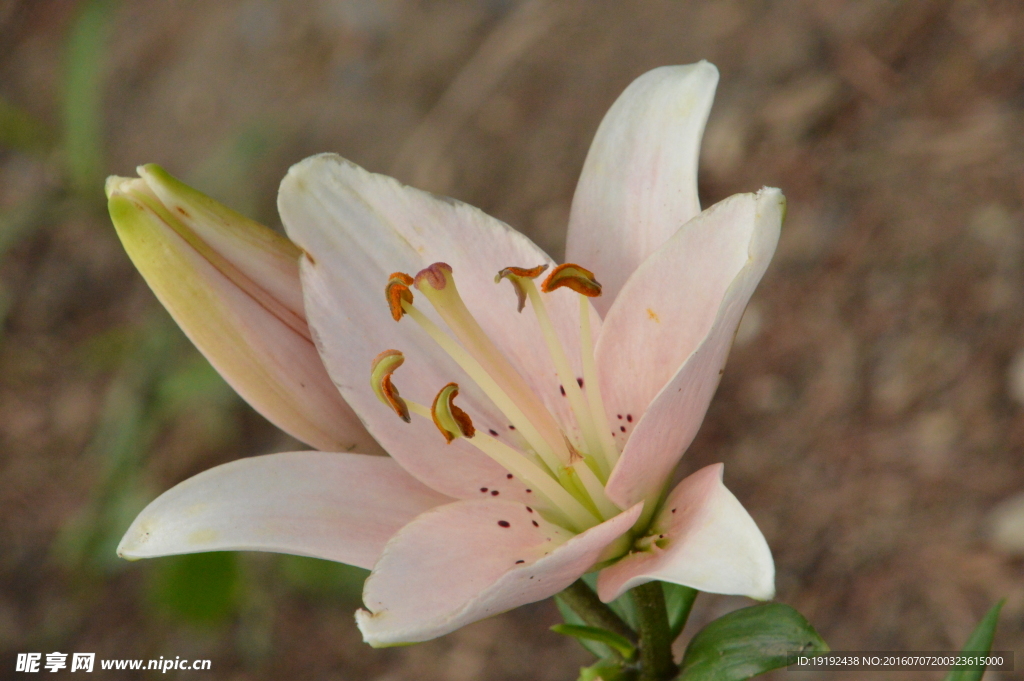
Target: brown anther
{"points": [[435, 276], [449, 419], [577, 278], [382, 367], [514, 274], [397, 292]]}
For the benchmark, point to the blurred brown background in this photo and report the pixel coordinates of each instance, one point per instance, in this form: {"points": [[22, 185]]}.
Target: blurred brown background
{"points": [[870, 416]]}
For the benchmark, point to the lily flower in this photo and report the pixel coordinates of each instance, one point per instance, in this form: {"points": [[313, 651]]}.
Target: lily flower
{"points": [[534, 413]]}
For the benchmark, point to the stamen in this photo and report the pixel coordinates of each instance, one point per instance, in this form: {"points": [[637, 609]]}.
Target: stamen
{"points": [[595, 490], [454, 422], [593, 388], [383, 366], [438, 285], [397, 292], [590, 487], [513, 274], [449, 419], [490, 387], [532, 475], [566, 376], [579, 279]]}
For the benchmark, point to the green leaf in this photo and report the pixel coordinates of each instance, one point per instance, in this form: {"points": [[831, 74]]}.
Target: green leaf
{"points": [[607, 670], [622, 606], [678, 601], [85, 57], [979, 643], [569, 615], [585, 633], [748, 642]]}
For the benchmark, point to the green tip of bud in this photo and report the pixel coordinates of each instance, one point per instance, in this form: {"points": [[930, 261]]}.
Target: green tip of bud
{"points": [[112, 184]]}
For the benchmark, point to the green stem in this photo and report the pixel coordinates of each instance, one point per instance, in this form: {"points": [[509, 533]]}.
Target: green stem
{"points": [[655, 637], [585, 603]]}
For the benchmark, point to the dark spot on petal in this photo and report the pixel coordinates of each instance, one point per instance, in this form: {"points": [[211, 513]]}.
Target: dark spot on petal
{"points": [[721, 371], [504, 523], [494, 493], [528, 491], [629, 417], [511, 427], [183, 211], [509, 476], [531, 576], [520, 562], [673, 510], [493, 432], [622, 428], [561, 389], [529, 509], [620, 416], [535, 523], [483, 489], [661, 536], [579, 381]]}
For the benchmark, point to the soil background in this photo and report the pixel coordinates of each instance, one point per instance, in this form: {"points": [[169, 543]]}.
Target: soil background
{"points": [[870, 416]]}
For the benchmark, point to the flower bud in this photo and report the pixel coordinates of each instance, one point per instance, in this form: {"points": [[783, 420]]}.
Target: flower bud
{"points": [[233, 287]]}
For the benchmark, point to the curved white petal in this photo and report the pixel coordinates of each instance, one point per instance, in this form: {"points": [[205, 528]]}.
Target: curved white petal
{"points": [[357, 228], [639, 182], [666, 339], [708, 542], [342, 507], [459, 563]]}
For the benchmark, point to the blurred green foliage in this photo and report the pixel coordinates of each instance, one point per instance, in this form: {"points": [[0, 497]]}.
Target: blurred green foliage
{"points": [[979, 643], [322, 578], [20, 131], [198, 588], [84, 61], [157, 381]]}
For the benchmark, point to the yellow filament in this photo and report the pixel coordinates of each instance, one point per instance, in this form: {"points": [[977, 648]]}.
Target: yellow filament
{"points": [[565, 375], [595, 490], [537, 479], [548, 490], [460, 320], [490, 387], [593, 388]]}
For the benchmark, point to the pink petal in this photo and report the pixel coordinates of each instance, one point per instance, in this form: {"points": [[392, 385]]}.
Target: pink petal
{"points": [[458, 564], [666, 338], [639, 182], [263, 356], [709, 543], [357, 228], [342, 507]]}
